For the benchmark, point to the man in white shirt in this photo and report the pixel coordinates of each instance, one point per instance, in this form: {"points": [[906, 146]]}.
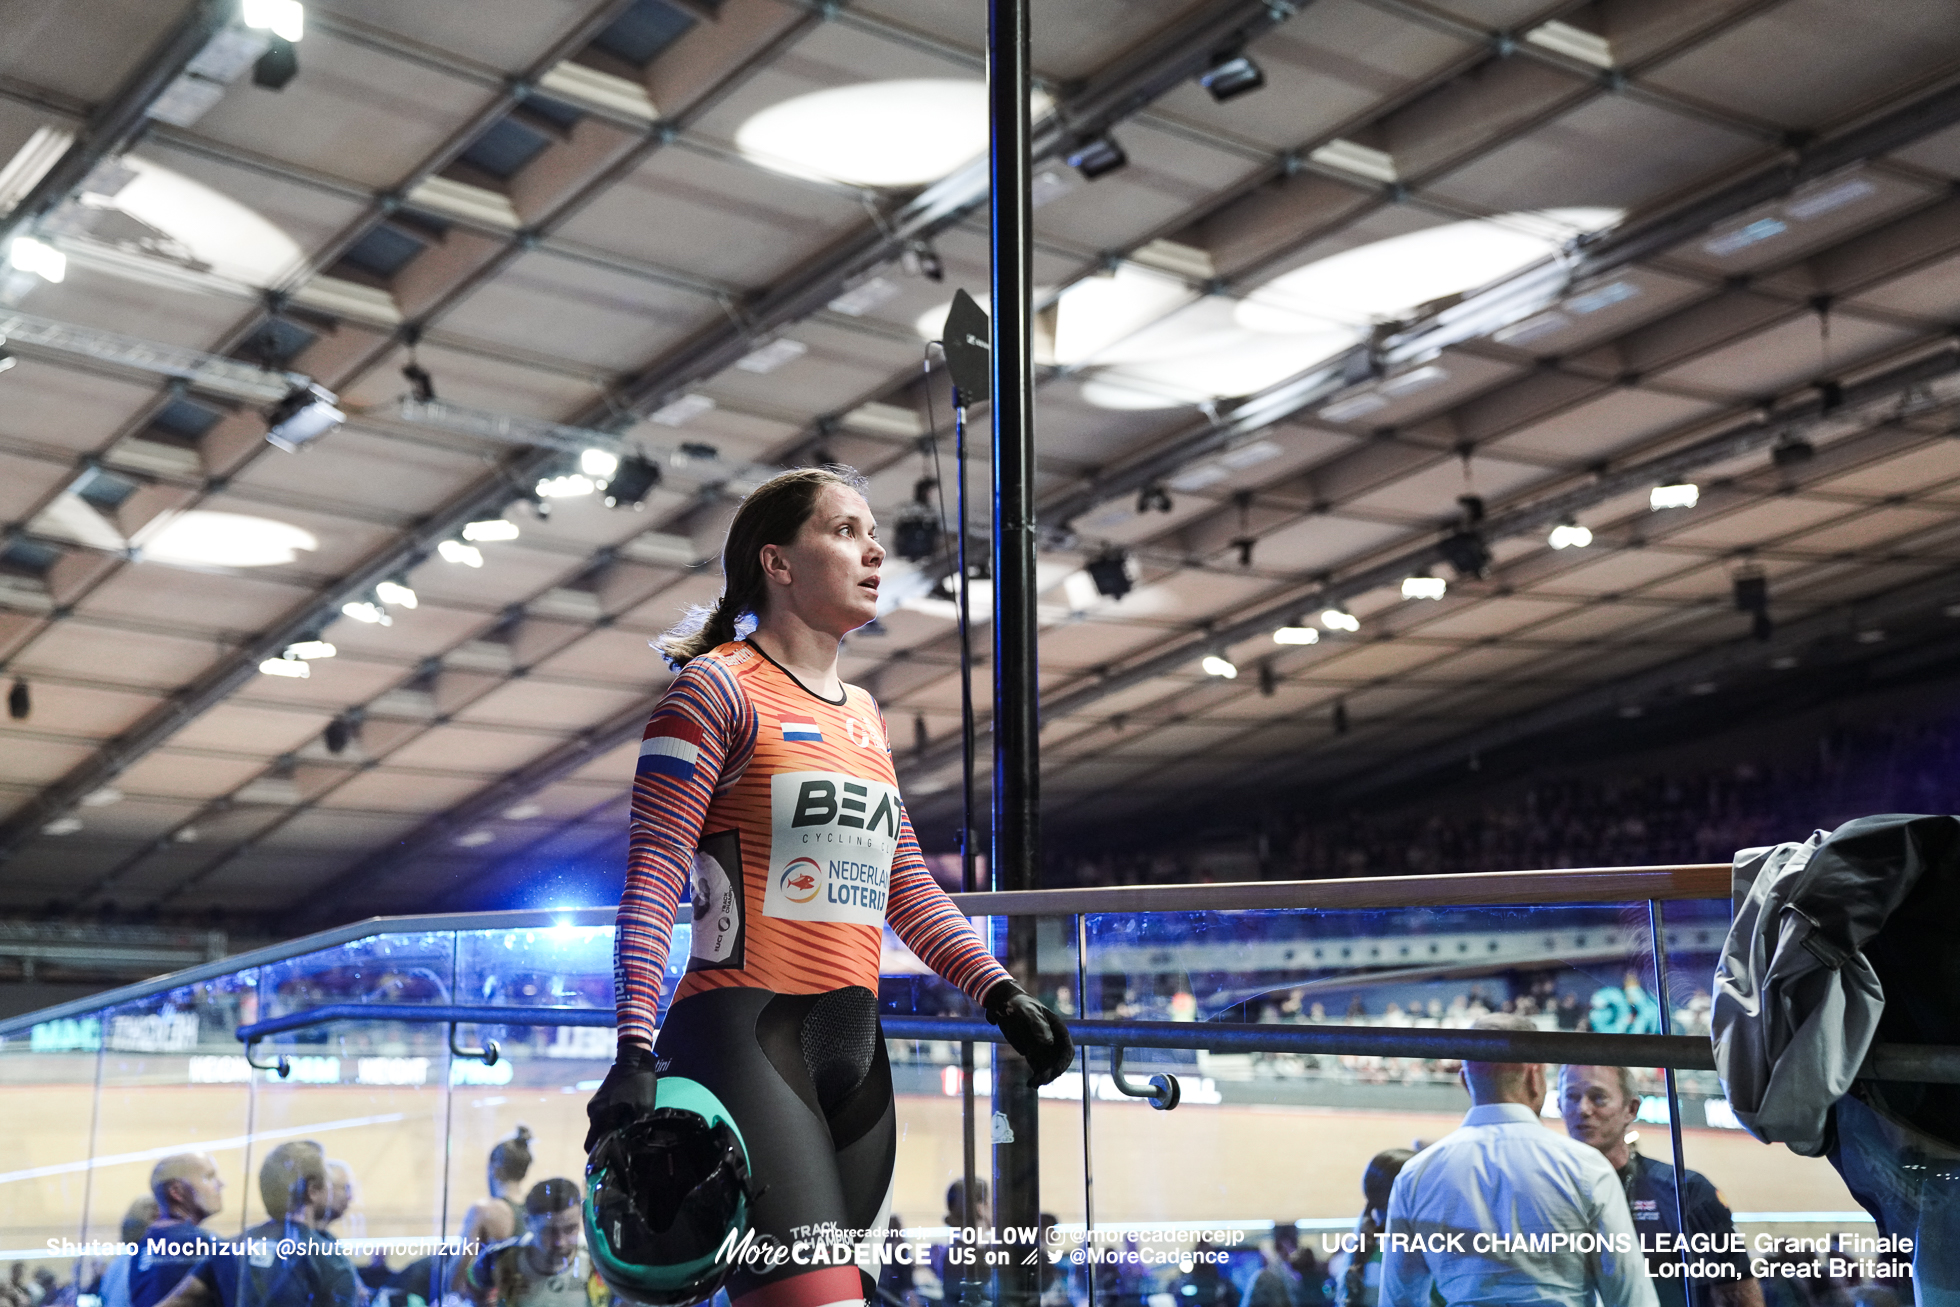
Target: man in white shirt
{"points": [[1504, 1210]]}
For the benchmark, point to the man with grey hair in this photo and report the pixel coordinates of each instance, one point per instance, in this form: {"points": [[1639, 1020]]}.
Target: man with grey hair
{"points": [[188, 1192], [289, 1261], [1599, 1104], [1504, 1211]]}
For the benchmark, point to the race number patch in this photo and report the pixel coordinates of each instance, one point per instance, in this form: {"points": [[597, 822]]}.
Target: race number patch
{"points": [[830, 858]]}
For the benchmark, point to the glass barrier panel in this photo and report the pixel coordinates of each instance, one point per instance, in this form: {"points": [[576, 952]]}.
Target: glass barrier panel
{"points": [[47, 1098], [173, 1107], [1259, 1169], [419, 967]]}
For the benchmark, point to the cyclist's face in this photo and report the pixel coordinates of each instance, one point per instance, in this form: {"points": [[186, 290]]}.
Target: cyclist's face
{"points": [[828, 575]]}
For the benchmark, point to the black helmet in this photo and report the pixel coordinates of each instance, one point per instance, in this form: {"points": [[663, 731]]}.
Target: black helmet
{"points": [[667, 1199]]}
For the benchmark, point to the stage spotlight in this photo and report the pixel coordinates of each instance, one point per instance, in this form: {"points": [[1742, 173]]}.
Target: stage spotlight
{"points": [[396, 591], [1111, 573], [1220, 666], [421, 384], [368, 611], [455, 551], [1569, 535], [277, 66], [916, 538], [1424, 587], [1752, 597], [1268, 680], [1339, 619], [20, 701], [304, 415], [1466, 553], [337, 736], [37, 257], [1230, 76], [1340, 718], [489, 528], [1153, 497], [632, 482], [1097, 157], [1684, 495], [1792, 451]]}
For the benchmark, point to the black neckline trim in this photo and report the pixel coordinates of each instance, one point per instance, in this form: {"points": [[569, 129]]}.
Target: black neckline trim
{"points": [[838, 702]]}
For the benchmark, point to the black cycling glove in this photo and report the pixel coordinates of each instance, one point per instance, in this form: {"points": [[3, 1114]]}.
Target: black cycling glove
{"points": [[1036, 1033], [624, 1096]]}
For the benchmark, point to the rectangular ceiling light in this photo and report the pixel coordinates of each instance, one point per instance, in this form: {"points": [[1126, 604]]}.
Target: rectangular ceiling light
{"points": [[772, 356], [1361, 160], [1573, 43]]}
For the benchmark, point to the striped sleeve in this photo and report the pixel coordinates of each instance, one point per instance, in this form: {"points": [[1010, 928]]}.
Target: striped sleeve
{"points": [[926, 919], [697, 741]]}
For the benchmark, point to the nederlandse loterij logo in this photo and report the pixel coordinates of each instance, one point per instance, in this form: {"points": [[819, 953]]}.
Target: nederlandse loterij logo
{"points": [[801, 880]]}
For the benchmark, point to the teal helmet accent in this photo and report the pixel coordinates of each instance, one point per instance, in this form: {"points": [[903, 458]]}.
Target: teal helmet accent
{"points": [[667, 1199]]}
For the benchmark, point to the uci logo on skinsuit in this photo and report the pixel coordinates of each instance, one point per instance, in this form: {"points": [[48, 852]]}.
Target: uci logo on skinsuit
{"points": [[801, 880], [832, 837]]}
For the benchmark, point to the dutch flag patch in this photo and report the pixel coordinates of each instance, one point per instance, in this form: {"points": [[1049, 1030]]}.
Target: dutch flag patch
{"points": [[671, 748], [801, 730]]}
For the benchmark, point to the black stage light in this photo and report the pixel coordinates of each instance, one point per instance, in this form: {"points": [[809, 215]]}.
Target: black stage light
{"points": [[1792, 451], [1153, 497], [1752, 592], [423, 385], [337, 736], [916, 537], [1268, 680], [1473, 509], [276, 66], [1111, 573], [921, 258], [19, 701], [632, 481], [304, 415], [1340, 718], [1230, 76], [1097, 157], [1245, 545], [1467, 553]]}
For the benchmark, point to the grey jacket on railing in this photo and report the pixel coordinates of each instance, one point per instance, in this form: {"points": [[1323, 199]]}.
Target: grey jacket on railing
{"points": [[1797, 1001]]}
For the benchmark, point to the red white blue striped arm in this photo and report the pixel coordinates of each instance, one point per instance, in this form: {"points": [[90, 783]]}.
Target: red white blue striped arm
{"points": [[698, 740], [922, 915]]}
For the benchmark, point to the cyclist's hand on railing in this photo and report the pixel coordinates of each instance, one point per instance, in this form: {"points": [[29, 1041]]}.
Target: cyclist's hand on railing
{"points": [[624, 1096], [1036, 1033]]}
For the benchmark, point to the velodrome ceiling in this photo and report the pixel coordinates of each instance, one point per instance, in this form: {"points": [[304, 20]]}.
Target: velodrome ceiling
{"points": [[1549, 255]]}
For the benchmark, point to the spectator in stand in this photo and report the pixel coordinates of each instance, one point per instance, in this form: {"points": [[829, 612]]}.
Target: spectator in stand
{"points": [[1205, 1284], [1310, 1284], [341, 1191], [301, 1267], [948, 1272], [1599, 1104], [544, 1267], [500, 1216], [188, 1192], [1276, 1282], [1504, 1174], [1357, 1270], [113, 1287]]}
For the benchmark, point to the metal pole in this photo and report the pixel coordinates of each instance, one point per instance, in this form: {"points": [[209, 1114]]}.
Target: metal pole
{"points": [[1658, 929], [1017, 839], [969, 1147]]}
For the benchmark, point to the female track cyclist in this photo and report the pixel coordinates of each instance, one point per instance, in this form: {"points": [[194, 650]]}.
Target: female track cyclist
{"points": [[765, 792]]}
